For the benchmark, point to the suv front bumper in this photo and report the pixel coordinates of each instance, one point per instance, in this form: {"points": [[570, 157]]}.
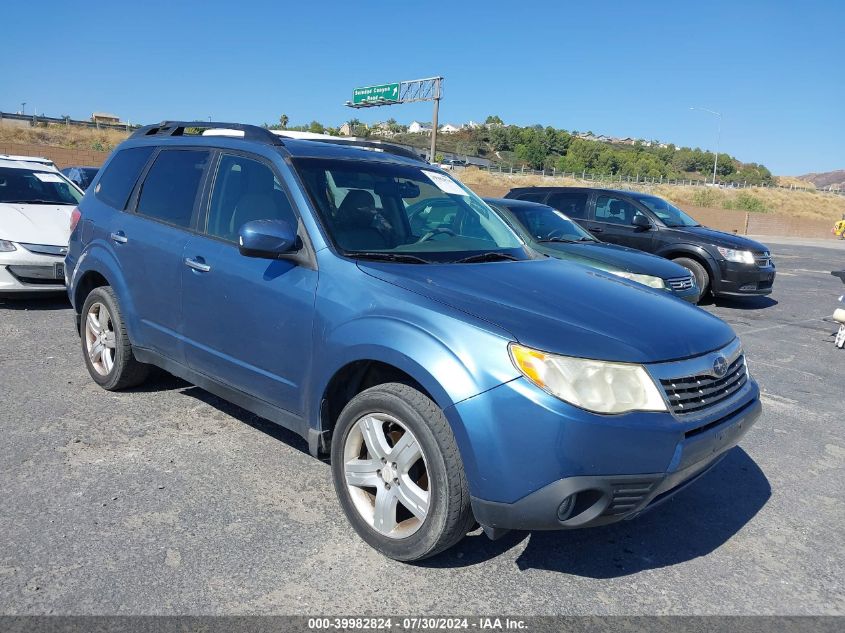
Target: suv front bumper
{"points": [[739, 280], [553, 466]]}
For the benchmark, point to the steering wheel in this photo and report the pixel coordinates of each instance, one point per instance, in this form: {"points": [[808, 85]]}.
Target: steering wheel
{"points": [[438, 231], [556, 233]]}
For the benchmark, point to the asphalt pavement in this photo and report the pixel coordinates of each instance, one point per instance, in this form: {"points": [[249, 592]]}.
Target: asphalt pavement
{"points": [[168, 500]]}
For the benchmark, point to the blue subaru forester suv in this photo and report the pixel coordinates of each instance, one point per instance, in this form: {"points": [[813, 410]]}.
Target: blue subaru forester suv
{"points": [[451, 373]]}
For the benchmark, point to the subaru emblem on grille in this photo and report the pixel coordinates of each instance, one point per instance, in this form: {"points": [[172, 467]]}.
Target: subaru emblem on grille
{"points": [[720, 366]]}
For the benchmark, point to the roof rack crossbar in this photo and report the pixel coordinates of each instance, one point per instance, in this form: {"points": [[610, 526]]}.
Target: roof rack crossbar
{"points": [[177, 128]]}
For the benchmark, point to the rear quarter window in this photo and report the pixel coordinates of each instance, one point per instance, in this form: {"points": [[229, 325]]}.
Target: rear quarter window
{"points": [[120, 176]]}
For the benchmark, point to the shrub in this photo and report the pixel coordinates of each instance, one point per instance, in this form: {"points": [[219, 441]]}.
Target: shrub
{"points": [[706, 197], [744, 201]]}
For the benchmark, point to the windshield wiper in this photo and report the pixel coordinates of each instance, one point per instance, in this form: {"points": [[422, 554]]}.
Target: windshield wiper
{"points": [[556, 239], [487, 257], [389, 257]]}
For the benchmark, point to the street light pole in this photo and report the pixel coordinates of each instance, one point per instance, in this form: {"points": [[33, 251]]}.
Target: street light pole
{"points": [[718, 116], [23, 107]]}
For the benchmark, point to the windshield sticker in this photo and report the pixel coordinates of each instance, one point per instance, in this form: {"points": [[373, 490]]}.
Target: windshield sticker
{"points": [[47, 177], [444, 183]]}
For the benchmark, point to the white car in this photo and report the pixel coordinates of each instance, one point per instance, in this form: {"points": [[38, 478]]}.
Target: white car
{"points": [[36, 202]]}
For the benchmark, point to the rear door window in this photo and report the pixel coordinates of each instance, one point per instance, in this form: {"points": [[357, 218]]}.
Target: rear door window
{"points": [[572, 204], [171, 186], [120, 176]]}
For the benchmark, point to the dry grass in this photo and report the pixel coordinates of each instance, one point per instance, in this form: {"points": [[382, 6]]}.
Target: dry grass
{"points": [[62, 136], [800, 204]]}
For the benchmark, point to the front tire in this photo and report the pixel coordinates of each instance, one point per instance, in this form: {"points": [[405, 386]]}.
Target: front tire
{"points": [[105, 343], [398, 474], [702, 277]]}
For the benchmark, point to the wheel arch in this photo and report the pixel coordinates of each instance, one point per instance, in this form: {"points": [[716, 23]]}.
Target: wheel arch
{"points": [[693, 252], [98, 267]]}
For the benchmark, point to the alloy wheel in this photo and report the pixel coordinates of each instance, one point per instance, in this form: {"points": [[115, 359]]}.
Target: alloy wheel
{"points": [[100, 338], [386, 475]]}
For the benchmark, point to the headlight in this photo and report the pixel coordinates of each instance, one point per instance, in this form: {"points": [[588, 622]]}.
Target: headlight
{"points": [[6, 246], [646, 280], [594, 385], [741, 257]]}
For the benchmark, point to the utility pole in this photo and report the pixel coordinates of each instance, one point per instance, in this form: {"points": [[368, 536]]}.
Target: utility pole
{"points": [[718, 116], [23, 107]]}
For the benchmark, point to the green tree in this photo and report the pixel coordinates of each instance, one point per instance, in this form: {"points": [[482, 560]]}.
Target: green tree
{"points": [[493, 120], [283, 121]]}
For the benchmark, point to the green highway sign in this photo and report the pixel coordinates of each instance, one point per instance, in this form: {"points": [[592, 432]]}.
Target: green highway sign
{"points": [[369, 94]]}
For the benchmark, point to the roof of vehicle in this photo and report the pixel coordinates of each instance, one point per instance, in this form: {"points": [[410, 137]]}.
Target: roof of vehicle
{"points": [[298, 144], [27, 162], [515, 202], [627, 192]]}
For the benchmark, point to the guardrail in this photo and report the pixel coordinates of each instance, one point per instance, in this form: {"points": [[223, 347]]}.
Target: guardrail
{"points": [[35, 119], [643, 180]]}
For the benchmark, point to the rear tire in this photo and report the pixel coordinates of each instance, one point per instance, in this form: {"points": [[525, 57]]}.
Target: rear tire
{"points": [[702, 277], [105, 343], [410, 503]]}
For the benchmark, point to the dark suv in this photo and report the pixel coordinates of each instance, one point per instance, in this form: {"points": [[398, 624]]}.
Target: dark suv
{"points": [[723, 264]]}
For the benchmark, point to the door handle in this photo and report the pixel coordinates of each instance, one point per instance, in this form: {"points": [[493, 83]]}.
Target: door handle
{"points": [[119, 237], [197, 265], [596, 229]]}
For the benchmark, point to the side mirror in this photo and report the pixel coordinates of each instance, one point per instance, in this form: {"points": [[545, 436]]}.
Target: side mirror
{"points": [[267, 239], [641, 222]]}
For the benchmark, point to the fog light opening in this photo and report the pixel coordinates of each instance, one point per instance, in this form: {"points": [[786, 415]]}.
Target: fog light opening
{"points": [[564, 510]]}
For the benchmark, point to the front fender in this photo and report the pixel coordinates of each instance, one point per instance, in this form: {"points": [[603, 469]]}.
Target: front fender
{"points": [[680, 250]]}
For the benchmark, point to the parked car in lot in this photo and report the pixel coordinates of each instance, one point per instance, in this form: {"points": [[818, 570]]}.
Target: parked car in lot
{"points": [[452, 374], [36, 202], [724, 264], [82, 177], [550, 232]]}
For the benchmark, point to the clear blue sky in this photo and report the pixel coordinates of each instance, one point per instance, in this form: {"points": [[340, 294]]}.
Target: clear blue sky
{"points": [[774, 69]]}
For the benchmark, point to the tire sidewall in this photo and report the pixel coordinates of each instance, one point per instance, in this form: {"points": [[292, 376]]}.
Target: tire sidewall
{"points": [[702, 278], [425, 539], [104, 295]]}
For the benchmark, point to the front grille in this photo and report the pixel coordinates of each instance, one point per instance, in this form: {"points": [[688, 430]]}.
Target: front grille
{"points": [[689, 394], [763, 258], [629, 495], [45, 249], [681, 283]]}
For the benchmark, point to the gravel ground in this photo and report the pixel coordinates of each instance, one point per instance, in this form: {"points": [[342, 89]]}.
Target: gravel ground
{"points": [[167, 500]]}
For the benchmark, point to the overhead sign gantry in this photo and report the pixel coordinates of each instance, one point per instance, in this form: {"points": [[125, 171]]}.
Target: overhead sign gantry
{"points": [[402, 92]]}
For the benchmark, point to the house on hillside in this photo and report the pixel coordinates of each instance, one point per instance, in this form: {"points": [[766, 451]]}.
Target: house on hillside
{"points": [[419, 128], [345, 130], [449, 129], [105, 117]]}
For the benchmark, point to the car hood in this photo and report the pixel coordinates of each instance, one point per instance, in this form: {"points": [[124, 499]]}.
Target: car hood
{"points": [[720, 238], [573, 310], [35, 223], [613, 257]]}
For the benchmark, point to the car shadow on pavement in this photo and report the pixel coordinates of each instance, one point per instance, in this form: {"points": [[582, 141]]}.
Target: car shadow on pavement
{"points": [[292, 439], [747, 303], [692, 524], [35, 302]]}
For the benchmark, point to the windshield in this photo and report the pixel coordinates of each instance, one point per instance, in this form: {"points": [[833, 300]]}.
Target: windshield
{"points": [[404, 213], [669, 214], [546, 224], [24, 186]]}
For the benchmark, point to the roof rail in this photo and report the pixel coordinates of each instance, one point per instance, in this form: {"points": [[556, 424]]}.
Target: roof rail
{"points": [[177, 128], [388, 148]]}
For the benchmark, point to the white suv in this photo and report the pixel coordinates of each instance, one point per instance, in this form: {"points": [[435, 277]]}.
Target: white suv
{"points": [[36, 202]]}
